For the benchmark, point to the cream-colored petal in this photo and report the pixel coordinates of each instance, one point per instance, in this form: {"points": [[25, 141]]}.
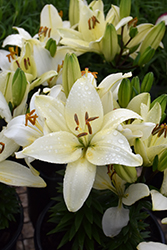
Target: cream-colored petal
{"points": [[117, 116], [135, 103], [58, 147], [154, 115], [4, 109], [111, 147], [15, 174], [78, 182], [163, 189], [151, 246], [7, 146], [114, 219], [159, 201], [52, 110], [164, 220], [140, 148], [134, 193], [83, 98]]}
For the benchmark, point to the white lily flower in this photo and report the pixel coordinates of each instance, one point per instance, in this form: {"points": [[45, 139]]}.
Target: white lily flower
{"points": [[82, 137], [151, 246], [115, 218]]}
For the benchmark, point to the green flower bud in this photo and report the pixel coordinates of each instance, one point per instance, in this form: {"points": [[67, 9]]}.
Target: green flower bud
{"points": [[133, 32], [162, 99], [71, 72], [153, 38], [147, 82], [128, 174], [19, 84], [74, 12], [109, 43], [146, 56], [51, 46], [162, 163], [135, 86], [125, 8], [124, 93]]}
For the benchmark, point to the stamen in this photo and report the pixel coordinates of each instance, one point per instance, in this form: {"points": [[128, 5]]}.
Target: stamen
{"points": [[17, 63], [133, 22], [60, 66], [92, 22], [61, 13], [82, 134], [26, 63], [12, 53], [31, 118], [45, 31], [87, 120], [85, 72], [159, 129], [76, 119], [2, 147]]}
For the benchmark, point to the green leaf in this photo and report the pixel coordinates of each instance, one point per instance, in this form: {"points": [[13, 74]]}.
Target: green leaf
{"points": [[78, 220]]}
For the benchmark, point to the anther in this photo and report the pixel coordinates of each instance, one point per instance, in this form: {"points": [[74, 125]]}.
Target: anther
{"points": [[92, 22], [133, 22], [85, 72], [87, 120], [159, 129], [30, 117], [82, 134], [2, 147]]}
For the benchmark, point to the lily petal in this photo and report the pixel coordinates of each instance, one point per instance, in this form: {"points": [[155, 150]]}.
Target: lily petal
{"points": [[158, 200], [83, 98], [151, 246], [111, 147], [134, 193], [114, 219], [58, 147], [4, 109], [78, 182], [16, 174]]}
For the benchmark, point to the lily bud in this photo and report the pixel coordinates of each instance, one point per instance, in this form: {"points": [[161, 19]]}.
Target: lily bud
{"points": [[71, 72], [153, 38], [147, 82], [124, 93], [146, 56], [129, 174], [109, 43], [125, 8], [162, 162], [135, 86], [19, 84], [74, 12], [51, 46], [133, 32]]}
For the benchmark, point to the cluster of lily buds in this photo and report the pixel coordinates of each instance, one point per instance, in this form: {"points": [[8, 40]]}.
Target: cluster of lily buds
{"points": [[118, 36]]}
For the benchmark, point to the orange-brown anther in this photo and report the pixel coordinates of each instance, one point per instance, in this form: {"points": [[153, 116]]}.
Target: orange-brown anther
{"points": [[26, 63], [82, 134], [87, 120], [30, 117], [2, 147], [61, 13], [92, 22], [83, 72], [133, 22], [160, 129], [44, 30], [12, 53], [17, 63]]}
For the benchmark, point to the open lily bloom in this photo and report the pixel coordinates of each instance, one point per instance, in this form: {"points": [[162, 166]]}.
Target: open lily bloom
{"points": [[151, 246], [115, 218], [82, 137]]}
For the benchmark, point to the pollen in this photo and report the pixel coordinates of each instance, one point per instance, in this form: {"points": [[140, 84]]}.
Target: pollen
{"points": [[61, 13], [133, 22], [160, 129], [31, 118], [2, 146], [12, 53], [92, 22], [86, 71], [88, 120], [45, 31]]}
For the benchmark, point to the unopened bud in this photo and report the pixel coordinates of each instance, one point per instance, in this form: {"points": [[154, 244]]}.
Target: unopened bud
{"points": [[135, 86], [51, 46], [19, 84], [146, 56], [74, 12], [71, 72], [162, 161], [124, 93], [154, 37], [125, 8], [147, 82], [133, 32], [129, 174], [109, 43]]}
